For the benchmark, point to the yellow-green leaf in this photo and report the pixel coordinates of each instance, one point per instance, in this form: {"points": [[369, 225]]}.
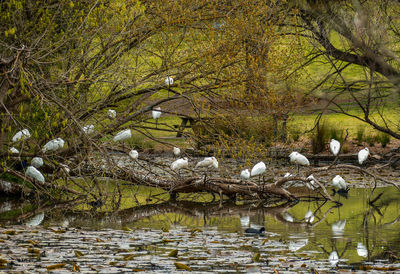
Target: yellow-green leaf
{"points": [[173, 253], [182, 266]]}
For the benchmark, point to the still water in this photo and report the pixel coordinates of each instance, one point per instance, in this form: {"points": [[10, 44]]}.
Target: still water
{"points": [[304, 237]]}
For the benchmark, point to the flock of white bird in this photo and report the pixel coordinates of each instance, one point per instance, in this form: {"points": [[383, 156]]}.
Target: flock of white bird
{"points": [[208, 162], [36, 162], [260, 168]]}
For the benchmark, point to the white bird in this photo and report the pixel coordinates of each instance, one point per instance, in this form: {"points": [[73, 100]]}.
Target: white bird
{"points": [[37, 162], [88, 129], [13, 150], [258, 169], [208, 162], [53, 145], [287, 174], [169, 81], [339, 182], [298, 159], [362, 250], [338, 227], [36, 220], [23, 134], [335, 146], [309, 217], [311, 184], [123, 135], [363, 155], [289, 218], [133, 154], [112, 114], [34, 173], [333, 258], [176, 151], [245, 174], [156, 113], [180, 163]]}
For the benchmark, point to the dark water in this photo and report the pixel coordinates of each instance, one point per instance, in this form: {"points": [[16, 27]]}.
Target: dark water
{"points": [[210, 238]]}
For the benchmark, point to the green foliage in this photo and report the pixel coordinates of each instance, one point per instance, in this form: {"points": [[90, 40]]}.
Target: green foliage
{"points": [[320, 137], [295, 133], [370, 139], [383, 138], [140, 142], [248, 128], [360, 134], [336, 133]]}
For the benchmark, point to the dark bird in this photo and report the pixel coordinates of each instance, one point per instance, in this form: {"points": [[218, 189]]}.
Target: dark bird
{"points": [[254, 231]]}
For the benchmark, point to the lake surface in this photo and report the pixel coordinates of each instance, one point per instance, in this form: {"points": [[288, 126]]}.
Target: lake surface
{"points": [[304, 237]]}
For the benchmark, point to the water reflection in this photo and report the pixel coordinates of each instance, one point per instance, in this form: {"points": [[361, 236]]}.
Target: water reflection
{"points": [[333, 258], [362, 250], [338, 227], [351, 234], [36, 220]]}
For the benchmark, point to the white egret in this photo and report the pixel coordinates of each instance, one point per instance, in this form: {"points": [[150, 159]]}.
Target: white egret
{"points": [[23, 134], [362, 250], [37, 162], [123, 135], [245, 174], [36, 220], [88, 129], [311, 184], [34, 173], [287, 174], [339, 182], [179, 164], [335, 146], [208, 162], [176, 151], [156, 113], [13, 150], [309, 216], [258, 169], [53, 145], [169, 81], [111, 114], [133, 154], [333, 258], [338, 227], [363, 155], [299, 160]]}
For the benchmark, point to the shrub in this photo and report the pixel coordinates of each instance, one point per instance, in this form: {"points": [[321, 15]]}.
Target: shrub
{"points": [[320, 137], [360, 134], [258, 129], [336, 133], [370, 139], [383, 138], [345, 149], [295, 134]]}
